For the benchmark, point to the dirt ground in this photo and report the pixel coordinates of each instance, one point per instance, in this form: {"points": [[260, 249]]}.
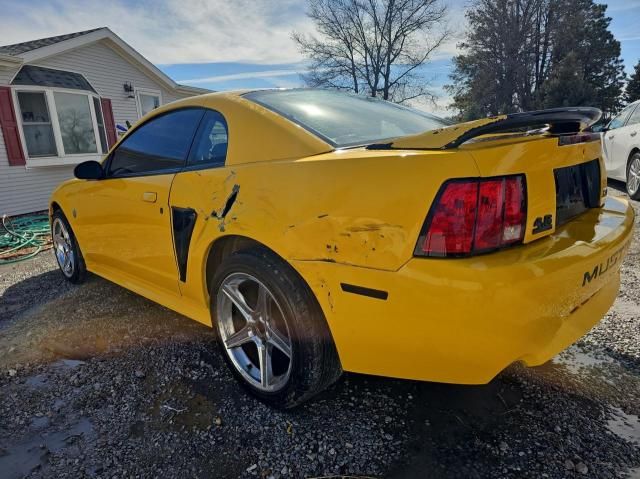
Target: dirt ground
{"points": [[96, 381]]}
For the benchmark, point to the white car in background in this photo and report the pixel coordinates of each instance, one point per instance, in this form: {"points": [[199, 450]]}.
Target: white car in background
{"points": [[621, 148]]}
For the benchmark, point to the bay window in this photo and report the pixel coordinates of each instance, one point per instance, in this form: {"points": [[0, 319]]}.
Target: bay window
{"points": [[60, 116]]}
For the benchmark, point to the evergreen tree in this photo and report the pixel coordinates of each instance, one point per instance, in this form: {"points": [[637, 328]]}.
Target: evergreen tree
{"points": [[530, 54], [632, 92]]}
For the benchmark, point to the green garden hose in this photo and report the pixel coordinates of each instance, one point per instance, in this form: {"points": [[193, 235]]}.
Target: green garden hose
{"points": [[23, 237]]}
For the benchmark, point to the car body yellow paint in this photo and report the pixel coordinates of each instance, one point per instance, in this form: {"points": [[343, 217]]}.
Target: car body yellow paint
{"points": [[353, 216]]}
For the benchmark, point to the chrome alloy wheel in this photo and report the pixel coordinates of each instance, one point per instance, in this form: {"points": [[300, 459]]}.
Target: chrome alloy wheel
{"points": [[254, 332], [633, 181], [63, 247]]}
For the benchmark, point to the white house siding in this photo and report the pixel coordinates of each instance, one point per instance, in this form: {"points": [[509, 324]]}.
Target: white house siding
{"points": [[24, 190]]}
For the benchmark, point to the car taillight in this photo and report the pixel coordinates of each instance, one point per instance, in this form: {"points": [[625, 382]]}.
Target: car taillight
{"points": [[475, 216]]}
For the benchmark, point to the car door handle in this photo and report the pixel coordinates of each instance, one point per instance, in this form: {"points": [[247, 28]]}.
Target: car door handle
{"points": [[150, 196], [611, 137], [634, 133]]}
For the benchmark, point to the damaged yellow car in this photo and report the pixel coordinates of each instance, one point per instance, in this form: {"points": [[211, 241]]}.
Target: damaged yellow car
{"points": [[321, 232]]}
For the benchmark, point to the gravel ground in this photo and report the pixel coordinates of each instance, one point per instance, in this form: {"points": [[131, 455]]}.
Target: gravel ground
{"points": [[98, 382]]}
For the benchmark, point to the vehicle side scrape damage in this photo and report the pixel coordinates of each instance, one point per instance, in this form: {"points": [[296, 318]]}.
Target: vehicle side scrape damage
{"points": [[222, 213], [348, 240]]}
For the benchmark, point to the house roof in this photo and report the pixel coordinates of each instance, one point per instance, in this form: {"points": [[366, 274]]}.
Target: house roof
{"points": [[33, 50], [18, 48], [40, 76]]}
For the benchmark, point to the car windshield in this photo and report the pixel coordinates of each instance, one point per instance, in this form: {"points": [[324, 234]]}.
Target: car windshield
{"points": [[344, 119]]}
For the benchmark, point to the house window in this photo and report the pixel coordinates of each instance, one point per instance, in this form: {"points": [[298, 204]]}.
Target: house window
{"points": [[61, 127], [61, 117], [76, 123], [36, 124], [148, 100]]}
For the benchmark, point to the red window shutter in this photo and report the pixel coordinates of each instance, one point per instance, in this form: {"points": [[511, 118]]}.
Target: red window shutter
{"points": [[109, 122], [9, 126]]}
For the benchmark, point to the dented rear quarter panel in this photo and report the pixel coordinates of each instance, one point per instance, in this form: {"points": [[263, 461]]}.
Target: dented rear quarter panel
{"points": [[350, 207]]}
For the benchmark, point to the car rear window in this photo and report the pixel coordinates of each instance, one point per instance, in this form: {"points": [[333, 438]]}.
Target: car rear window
{"points": [[344, 119]]}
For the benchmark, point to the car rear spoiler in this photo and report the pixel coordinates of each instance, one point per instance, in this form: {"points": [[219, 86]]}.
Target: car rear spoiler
{"points": [[556, 120]]}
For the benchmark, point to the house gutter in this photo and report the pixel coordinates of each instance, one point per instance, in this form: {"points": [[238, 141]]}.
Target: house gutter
{"points": [[192, 89]]}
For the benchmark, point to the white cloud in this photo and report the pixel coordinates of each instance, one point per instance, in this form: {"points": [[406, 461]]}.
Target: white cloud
{"points": [[244, 76], [172, 31], [180, 31]]}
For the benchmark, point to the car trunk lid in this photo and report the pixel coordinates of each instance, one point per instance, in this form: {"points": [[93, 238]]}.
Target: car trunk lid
{"points": [[562, 165], [563, 180]]}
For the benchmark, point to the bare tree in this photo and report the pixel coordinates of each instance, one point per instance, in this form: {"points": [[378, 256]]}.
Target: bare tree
{"points": [[374, 47]]}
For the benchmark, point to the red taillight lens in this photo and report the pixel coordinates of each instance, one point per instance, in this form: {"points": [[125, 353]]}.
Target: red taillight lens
{"points": [[453, 219], [489, 216], [475, 216]]}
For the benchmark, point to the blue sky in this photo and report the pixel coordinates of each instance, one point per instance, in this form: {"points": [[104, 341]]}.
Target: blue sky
{"points": [[222, 44]]}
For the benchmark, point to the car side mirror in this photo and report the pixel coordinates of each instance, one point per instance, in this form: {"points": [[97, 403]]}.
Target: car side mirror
{"points": [[89, 170]]}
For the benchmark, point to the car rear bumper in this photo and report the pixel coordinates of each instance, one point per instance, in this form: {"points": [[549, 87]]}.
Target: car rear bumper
{"points": [[464, 320]]}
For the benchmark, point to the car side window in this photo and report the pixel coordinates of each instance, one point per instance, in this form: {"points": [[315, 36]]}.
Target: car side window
{"points": [[619, 120], [160, 144], [635, 117], [210, 145]]}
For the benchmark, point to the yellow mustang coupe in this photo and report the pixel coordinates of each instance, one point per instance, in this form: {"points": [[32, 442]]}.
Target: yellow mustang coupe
{"points": [[322, 232]]}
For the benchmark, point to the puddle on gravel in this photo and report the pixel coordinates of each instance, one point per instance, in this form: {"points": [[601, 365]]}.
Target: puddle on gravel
{"points": [[20, 458], [179, 406], [634, 473], [593, 373], [578, 361], [67, 364], [36, 381], [40, 380], [94, 319], [625, 426]]}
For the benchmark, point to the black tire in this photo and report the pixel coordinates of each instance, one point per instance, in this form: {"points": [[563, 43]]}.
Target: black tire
{"points": [[634, 195], [78, 272], [314, 360]]}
